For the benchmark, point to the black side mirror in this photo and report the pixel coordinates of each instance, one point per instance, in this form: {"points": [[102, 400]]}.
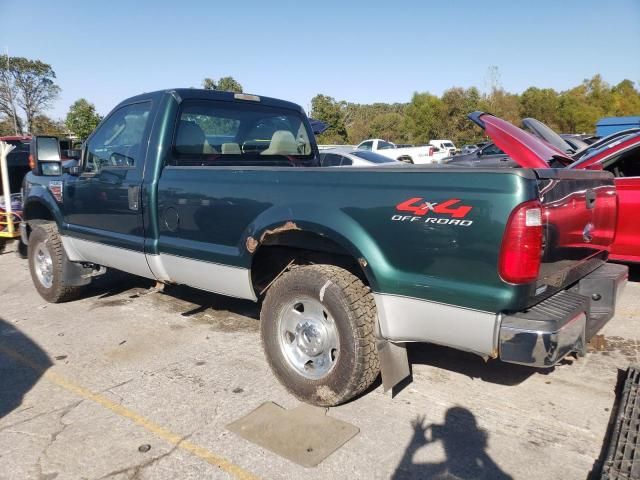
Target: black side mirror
{"points": [[44, 152]]}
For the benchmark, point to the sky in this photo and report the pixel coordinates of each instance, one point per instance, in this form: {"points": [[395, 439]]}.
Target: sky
{"points": [[359, 51]]}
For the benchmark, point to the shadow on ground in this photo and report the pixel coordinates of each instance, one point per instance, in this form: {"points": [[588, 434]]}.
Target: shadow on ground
{"points": [[22, 363], [190, 303], [470, 365], [464, 444]]}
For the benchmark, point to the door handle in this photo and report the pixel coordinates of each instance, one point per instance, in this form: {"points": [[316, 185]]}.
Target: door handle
{"points": [[134, 197]]}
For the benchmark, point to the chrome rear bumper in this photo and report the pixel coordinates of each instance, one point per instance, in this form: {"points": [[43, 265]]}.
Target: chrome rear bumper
{"points": [[563, 323]]}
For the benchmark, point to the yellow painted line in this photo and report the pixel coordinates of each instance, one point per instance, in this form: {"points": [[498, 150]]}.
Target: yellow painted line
{"points": [[136, 418]]}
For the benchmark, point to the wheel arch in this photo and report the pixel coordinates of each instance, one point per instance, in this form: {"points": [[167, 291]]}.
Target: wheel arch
{"points": [[271, 248]]}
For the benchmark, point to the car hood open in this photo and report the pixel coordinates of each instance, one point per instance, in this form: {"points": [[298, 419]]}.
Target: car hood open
{"points": [[525, 149], [542, 131]]}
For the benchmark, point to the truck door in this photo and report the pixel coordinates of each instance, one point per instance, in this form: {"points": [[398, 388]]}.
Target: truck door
{"points": [[102, 206]]}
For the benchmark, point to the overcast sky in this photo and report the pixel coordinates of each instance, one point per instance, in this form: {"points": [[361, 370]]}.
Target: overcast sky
{"points": [[360, 51]]}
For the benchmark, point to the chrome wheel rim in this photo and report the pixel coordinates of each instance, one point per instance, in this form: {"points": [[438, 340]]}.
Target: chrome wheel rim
{"points": [[43, 265], [308, 337]]}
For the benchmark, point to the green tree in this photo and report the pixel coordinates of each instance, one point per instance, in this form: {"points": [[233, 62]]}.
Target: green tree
{"points": [[625, 99], [225, 84], [43, 125], [423, 117], [82, 118], [209, 84], [327, 110], [541, 104], [29, 84], [457, 104], [6, 126]]}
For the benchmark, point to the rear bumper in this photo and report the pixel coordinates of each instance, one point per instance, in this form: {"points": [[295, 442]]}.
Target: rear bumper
{"points": [[563, 323]]}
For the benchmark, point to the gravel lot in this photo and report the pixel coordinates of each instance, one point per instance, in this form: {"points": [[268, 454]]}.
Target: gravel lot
{"points": [[84, 385]]}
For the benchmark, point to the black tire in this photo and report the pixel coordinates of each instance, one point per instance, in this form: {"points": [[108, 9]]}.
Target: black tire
{"points": [[46, 234], [351, 306], [3, 245]]}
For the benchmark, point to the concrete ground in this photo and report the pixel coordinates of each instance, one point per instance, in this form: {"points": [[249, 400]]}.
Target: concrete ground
{"points": [[125, 384]]}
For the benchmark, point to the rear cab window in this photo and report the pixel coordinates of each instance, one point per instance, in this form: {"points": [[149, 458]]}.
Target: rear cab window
{"points": [[211, 133]]}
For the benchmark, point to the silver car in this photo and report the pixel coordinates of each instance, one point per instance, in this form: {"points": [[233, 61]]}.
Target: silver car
{"points": [[348, 157]]}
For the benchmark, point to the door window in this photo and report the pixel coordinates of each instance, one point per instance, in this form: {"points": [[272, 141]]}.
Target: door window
{"points": [[366, 146], [117, 142]]}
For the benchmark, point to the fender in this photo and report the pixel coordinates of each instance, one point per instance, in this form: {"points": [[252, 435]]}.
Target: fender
{"points": [[40, 199], [332, 224]]}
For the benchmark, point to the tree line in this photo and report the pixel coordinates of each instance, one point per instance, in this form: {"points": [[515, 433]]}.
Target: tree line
{"points": [[28, 89], [429, 116]]}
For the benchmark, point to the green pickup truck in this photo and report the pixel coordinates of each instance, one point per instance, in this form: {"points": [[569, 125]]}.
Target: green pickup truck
{"points": [[224, 192]]}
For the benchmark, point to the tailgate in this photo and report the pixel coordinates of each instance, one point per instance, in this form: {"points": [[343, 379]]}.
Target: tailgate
{"points": [[579, 217]]}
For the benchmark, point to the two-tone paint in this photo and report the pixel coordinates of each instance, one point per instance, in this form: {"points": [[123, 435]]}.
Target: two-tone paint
{"points": [[205, 226]]}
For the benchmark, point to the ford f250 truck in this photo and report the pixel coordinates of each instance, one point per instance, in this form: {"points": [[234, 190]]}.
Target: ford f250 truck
{"points": [[223, 192]]}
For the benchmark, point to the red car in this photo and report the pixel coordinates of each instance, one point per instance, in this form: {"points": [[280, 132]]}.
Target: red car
{"points": [[619, 155], [622, 158]]}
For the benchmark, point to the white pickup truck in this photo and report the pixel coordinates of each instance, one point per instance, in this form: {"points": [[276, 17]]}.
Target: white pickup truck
{"points": [[417, 155]]}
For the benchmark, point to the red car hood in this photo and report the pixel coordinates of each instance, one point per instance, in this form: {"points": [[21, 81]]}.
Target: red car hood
{"points": [[525, 149]]}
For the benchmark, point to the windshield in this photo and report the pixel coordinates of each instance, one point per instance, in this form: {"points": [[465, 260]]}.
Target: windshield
{"points": [[241, 131], [584, 152], [371, 156], [596, 150], [382, 145]]}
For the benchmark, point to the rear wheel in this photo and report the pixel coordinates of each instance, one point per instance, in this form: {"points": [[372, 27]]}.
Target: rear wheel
{"points": [[406, 160], [47, 261], [317, 325]]}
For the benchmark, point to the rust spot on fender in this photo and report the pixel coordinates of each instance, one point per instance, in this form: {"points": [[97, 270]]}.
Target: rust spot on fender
{"points": [[252, 244]]}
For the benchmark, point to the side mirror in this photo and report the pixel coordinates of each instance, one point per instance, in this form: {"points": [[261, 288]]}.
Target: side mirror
{"points": [[44, 155]]}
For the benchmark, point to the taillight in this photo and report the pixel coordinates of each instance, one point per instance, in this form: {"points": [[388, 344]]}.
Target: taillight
{"points": [[32, 163], [521, 248], [430, 151]]}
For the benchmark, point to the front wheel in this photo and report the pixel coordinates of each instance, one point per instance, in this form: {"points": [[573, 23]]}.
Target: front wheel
{"points": [[317, 326], [47, 262]]}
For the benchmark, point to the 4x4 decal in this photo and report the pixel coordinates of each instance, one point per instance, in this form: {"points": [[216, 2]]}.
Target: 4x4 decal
{"points": [[422, 208], [419, 208]]}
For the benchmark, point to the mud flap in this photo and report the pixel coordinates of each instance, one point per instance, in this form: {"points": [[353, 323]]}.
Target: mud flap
{"points": [[394, 363]]}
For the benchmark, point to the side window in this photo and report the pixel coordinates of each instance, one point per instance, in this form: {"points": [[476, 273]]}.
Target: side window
{"points": [[384, 145], [345, 162], [118, 141], [366, 146], [492, 150], [330, 160]]}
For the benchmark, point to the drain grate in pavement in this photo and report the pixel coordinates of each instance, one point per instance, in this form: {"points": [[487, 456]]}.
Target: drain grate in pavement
{"points": [[305, 434], [623, 456]]}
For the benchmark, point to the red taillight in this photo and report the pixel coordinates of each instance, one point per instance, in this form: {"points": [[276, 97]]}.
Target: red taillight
{"points": [[521, 248], [431, 151], [32, 163]]}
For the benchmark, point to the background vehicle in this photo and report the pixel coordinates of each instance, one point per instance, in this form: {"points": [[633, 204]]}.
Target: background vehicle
{"points": [[17, 161], [577, 142], [469, 149], [619, 154], [489, 156], [445, 147], [417, 155], [350, 263], [345, 157]]}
